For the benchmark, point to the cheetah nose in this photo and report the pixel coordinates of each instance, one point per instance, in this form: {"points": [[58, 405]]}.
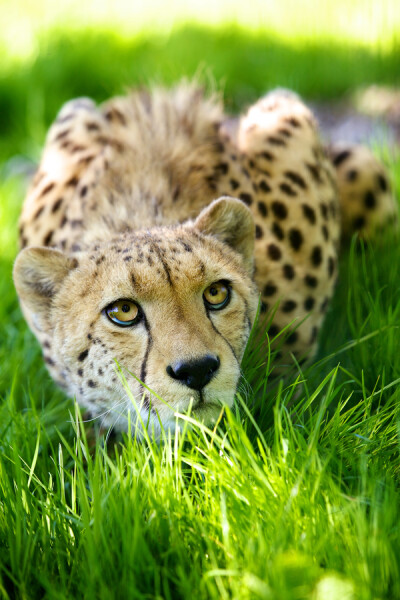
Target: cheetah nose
{"points": [[194, 373]]}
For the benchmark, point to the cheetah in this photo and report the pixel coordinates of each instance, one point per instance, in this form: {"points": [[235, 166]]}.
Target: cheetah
{"points": [[153, 233]]}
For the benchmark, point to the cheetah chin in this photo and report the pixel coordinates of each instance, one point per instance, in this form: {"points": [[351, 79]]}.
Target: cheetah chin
{"points": [[151, 229]]}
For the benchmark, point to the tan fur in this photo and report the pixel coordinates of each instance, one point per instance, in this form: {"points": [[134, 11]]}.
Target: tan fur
{"points": [[124, 191]]}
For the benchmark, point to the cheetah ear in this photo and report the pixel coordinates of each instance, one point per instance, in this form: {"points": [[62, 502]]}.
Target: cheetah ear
{"points": [[38, 275], [230, 221]]}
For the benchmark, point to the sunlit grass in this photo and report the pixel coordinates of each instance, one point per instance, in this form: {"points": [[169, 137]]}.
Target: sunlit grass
{"points": [[362, 21]]}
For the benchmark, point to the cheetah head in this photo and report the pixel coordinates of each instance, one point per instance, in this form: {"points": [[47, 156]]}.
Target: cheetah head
{"points": [[172, 306]]}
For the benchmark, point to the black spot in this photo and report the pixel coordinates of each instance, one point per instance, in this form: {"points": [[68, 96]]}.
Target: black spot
{"points": [[314, 334], [279, 209], [311, 281], [315, 172], [324, 210], [309, 303], [92, 126], [288, 272], [100, 371], [91, 383], [277, 230], [175, 193], [264, 187], [341, 157], [358, 222], [63, 221], [295, 239], [83, 355], [38, 213], [246, 198], [331, 266], [382, 182], [296, 178], [351, 175], [211, 182], [369, 200], [56, 205], [316, 256], [292, 338], [262, 209], [128, 258], [274, 251], [77, 148], [286, 189], [273, 331], [84, 191], [87, 159], [263, 307], [234, 184], [185, 245], [72, 182], [325, 232], [80, 372], [275, 141], [49, 361], [259, 232], [288, 306], [61, 135], [222, 168], [245, 172], [47, 238], [325, 304], [114, 113], [269, 289], [267, 155], [309, 213], [285, 132], [47, 189], [293, 122]]}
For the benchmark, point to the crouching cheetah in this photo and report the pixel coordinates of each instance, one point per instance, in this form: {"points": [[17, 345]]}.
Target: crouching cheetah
{"points": [[151, 230]]}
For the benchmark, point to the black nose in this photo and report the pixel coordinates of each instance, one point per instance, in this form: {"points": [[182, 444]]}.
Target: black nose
{"points": [[194, 373]]}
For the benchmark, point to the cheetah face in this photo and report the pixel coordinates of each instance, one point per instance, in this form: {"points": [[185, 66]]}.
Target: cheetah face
{"points": [[173, 307]]}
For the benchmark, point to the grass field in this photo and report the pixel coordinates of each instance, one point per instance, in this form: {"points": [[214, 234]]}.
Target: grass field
{"points": [[296, 494]]}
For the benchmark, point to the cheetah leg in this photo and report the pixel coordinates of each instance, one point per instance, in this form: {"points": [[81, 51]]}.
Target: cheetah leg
{"points": [[367, 203], [297, 230]]}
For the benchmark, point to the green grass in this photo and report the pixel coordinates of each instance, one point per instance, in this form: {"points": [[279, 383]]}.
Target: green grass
{"points": [[296, 494]]}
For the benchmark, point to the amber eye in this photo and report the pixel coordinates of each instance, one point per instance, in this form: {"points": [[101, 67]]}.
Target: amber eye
{"points": [[123, 313], [217, 295]]}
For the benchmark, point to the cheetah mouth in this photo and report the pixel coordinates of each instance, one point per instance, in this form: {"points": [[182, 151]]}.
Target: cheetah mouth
{"points": [[206, 405]]}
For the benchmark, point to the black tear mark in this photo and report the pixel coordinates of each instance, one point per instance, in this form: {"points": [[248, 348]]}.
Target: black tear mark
{"points": [[143, 368], [223, 337]]}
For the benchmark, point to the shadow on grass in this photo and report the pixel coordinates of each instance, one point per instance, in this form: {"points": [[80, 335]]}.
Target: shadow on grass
{"points": [[244, 64]]}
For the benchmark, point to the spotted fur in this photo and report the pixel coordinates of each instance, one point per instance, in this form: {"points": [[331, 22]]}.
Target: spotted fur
{"points": [[152, 197]]}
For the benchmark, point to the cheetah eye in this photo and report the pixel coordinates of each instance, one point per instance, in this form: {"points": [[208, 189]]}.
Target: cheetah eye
{"points": [[123, 313], [217, 295]]}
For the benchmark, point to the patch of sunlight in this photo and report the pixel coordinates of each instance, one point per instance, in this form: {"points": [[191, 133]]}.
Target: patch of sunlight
{"points": [[371, 23], [332, 587]]}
